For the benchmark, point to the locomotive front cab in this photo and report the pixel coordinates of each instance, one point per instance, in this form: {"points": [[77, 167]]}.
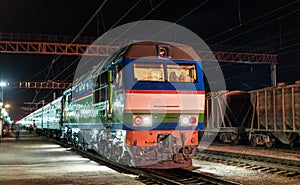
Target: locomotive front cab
{"points": [[163, 94]]}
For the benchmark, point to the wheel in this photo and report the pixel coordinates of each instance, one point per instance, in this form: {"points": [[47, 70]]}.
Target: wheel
{"points": [[101, 145], [270, 143], [223, 138], [84, 146], [126, 159], [235, 142], [118, 150], [107, 152]]}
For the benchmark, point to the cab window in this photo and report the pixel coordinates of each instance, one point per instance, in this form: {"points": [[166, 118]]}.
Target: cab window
{"points": [[148, 71], [181, 73]]}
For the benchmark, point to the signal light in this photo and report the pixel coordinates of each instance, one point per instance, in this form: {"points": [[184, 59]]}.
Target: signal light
{"points": [[193, 119], [138, 120]]}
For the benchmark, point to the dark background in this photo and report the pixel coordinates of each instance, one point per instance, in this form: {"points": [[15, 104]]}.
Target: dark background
{"points": [[269, 26]]}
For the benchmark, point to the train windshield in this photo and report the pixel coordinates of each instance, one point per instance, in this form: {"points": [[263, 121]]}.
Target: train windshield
{"points": [[181, 72], [155, 72], [149, 71]]}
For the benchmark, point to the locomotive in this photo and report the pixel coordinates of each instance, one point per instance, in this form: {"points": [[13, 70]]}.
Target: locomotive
{"points": [[142, 107]]}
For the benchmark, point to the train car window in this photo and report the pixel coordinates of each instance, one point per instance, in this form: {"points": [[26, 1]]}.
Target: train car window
{"points": [[73, 93], [97, 82], [104, 79], [103, 94], [100, 88], [119, 78], [181, 73], [96, 96], [148, 71]]}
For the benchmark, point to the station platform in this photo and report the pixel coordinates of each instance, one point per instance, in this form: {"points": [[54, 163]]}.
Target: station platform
{"points": [[33, 160]]}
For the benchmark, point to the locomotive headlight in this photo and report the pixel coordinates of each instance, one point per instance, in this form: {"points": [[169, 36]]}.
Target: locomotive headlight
{"points": [[164, 51], [142, 120], [184, 120], [147, 120], [188, 120]]}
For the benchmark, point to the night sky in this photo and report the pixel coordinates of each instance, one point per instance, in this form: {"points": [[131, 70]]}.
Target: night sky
{"points": [[269, 26]]}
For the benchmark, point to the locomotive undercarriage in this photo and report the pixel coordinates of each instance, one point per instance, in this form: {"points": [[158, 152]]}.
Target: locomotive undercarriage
{"points": [[166, 154], [110, 144], [170, 152], [153, 157], [75, 138]]}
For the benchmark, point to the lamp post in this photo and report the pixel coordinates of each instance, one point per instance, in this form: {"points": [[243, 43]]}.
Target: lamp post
{"points": [[2, 84]]}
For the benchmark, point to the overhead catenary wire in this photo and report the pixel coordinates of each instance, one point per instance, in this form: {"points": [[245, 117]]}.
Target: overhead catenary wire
{"points": [[104, 28], [143, 16], [250, 21], [286, 47], [98, 10], [125, 31], [262, 25], [152, 9], [102, 21], [281, 47], [267, 39], [73, 40], [128, 11], [296, 52], [181, 18], [239, 12], [82, 29], [121, 18]]}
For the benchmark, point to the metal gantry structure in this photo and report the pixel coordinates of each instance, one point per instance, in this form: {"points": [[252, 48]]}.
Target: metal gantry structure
{"points": [[39, 85], [10, 43], [105, 50]]}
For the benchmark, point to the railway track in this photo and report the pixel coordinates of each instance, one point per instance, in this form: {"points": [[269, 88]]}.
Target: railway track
{"points": [[151, 176], [288, 168], [295, 150], [183, 176]]}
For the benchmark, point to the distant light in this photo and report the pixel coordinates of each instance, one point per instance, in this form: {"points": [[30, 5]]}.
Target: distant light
{"points": [[3, 84], [7, 106]]}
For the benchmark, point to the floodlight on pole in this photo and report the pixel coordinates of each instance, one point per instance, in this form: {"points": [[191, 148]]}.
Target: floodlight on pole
{"points": [[2, 84]]}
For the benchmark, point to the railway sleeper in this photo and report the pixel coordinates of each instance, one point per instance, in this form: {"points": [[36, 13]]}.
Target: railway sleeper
{"points": [[264, 169], [292, 174], [282, 172]]}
